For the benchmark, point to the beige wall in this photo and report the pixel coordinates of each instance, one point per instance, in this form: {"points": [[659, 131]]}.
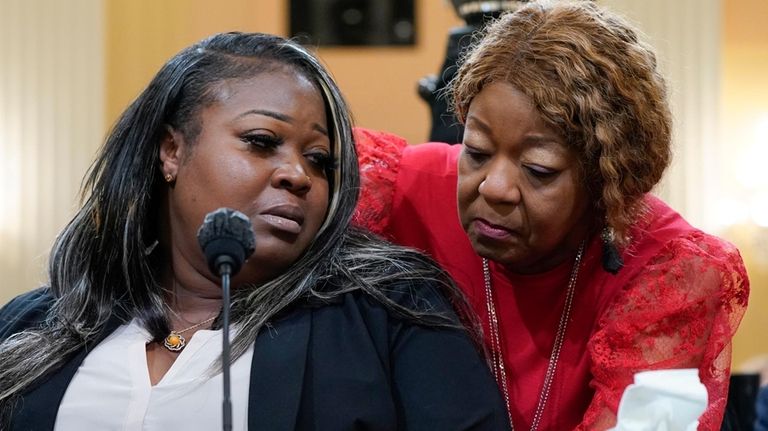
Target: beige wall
{"points": [[51, 116], [379, 83], [744, 100], [142, 34]]}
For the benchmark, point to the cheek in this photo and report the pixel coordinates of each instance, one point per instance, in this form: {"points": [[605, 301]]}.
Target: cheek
{"points": [[576, 196], [561, 210], [464, 197], [318, 201], [463, 189], [205, 171], [466, 185]]}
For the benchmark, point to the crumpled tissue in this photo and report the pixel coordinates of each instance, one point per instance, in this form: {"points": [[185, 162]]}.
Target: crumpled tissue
{"points": [[662, 400]]}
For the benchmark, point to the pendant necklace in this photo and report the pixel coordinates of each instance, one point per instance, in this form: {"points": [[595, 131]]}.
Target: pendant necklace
{"points": [[497, 361], [175, 342]]}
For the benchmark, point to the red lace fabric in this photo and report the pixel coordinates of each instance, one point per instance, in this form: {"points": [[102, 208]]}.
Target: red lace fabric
{"points": [[379, 166], [675, 304], [681, 311]]}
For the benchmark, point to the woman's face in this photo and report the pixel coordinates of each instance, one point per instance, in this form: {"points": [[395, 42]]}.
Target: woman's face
{"points": [[262, 150], [521, 200]]}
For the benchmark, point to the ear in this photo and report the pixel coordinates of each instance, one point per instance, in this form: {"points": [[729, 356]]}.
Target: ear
{"points": [[171, 149]]}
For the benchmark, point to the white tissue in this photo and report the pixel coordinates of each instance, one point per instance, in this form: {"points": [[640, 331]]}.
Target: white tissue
{"points": [[663, 400]]}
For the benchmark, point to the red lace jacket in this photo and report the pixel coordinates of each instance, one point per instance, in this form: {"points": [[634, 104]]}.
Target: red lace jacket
{"points": [[676, 303]]}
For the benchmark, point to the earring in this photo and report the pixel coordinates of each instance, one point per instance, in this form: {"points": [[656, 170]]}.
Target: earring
{"points": [[168, 178], [612, 261]]}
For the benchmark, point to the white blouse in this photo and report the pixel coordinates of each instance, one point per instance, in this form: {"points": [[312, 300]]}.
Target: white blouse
{"points": [[111, 390]]}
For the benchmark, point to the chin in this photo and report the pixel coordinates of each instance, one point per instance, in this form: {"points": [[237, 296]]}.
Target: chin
{"points": [[495, 249], [492, 253]]}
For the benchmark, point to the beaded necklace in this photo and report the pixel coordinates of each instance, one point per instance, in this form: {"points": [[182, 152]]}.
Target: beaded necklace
{"points": [[497, 361]]}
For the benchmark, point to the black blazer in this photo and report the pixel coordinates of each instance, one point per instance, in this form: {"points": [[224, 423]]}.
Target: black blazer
{"points": [[349, 365]]}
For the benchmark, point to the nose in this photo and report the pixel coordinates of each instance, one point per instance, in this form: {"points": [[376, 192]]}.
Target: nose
{"points": [[292, 176], [501, 184]]}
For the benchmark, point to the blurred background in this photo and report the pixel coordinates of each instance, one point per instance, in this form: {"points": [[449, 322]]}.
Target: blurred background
{"points": [[68, 68]]}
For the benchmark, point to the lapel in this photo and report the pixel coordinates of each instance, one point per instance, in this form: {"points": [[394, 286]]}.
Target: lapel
{"points": [[277, 372], [38, 407]]}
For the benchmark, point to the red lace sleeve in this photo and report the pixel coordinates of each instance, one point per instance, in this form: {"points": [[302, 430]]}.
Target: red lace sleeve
{"points": [[681, 311], [379, 157]]}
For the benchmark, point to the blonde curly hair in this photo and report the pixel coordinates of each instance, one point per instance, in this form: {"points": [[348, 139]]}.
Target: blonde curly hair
{"points": [[591, 79]]}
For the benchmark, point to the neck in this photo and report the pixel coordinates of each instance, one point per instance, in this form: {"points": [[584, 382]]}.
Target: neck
{"points": [[191, 303], [563, 253]]}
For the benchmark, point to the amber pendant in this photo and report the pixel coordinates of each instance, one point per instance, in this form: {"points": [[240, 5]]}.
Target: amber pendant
{"points": [[174, 342]]}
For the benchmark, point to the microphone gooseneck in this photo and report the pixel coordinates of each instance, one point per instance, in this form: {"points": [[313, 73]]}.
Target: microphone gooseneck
{"points": [[226, 238]]}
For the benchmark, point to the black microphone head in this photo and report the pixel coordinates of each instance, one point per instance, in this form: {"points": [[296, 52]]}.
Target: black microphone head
{"points": [[226, 237]]}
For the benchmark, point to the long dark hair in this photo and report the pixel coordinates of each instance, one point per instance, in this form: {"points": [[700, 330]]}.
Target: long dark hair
{"points": [[102, 268]]}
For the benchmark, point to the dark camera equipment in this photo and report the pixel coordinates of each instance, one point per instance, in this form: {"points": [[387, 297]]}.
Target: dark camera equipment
{"points": [[445, 126]]}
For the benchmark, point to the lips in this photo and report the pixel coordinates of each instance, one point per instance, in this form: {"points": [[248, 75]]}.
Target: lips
{"points": [[285, 217], [492, 231]]}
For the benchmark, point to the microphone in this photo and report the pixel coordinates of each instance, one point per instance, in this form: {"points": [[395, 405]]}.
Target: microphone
{"points": [[226, 237]]}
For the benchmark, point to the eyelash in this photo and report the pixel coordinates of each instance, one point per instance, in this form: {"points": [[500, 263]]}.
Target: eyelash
{"points": [[263, 141], [539, 172], [322, 161], [475, 155]]}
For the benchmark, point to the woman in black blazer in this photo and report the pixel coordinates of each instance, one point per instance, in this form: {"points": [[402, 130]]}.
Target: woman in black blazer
{"points": [[342, 331]]}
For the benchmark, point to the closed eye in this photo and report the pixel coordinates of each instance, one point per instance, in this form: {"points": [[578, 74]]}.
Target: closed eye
{"points": [[262, 141], [475, 155], [322, 161], [541, 172]]}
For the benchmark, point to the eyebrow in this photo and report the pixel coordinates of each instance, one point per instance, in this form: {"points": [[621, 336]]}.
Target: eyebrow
{"points": [[280, 117]]}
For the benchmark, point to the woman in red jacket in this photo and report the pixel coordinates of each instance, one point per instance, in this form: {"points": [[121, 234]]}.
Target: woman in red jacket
{"points": [[580, 277]]}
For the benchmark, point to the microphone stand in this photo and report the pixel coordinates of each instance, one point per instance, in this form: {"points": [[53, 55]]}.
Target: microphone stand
{"points": [[226, 406], [226, 239]]}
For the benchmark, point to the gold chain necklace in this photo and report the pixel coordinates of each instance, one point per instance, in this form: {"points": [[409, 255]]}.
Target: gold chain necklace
{"points": [[175, 342], [497, 361]]}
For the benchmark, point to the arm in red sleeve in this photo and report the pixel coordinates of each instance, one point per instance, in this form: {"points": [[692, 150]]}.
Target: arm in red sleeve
{"points": [[680, 312]]}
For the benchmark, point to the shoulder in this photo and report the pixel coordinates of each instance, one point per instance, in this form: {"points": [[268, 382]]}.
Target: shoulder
{"points": [[428, 176], [396, 176], [400, 279], [432, 157], [378, 155], [672, 244], [379, 151], [674, 268], [421, 297], [25, 311]]}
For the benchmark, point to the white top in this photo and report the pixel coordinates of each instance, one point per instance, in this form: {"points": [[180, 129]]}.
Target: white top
{"points": [[112, 391]]}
